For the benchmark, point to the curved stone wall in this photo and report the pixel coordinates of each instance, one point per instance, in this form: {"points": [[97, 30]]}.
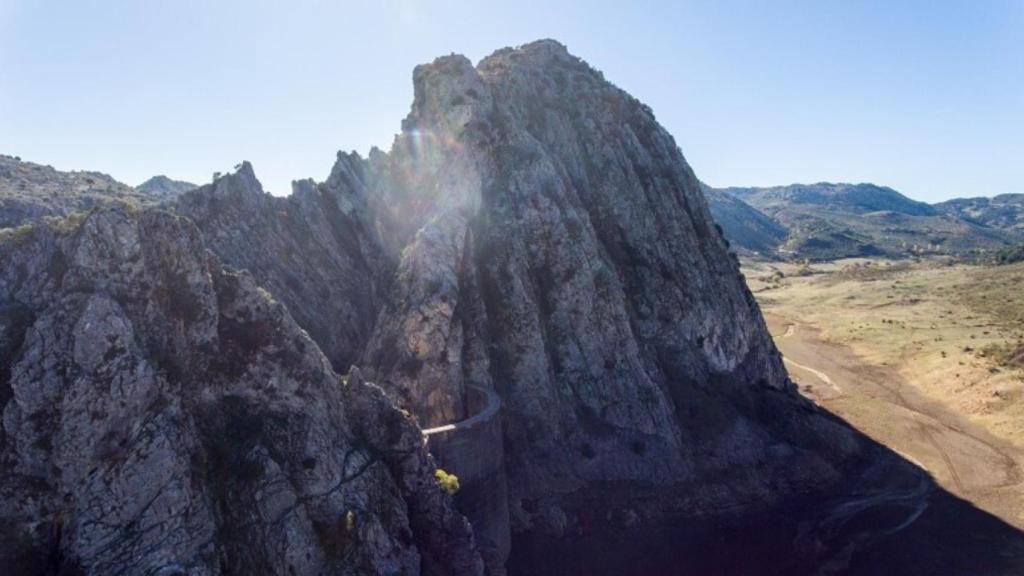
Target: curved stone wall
{"points": [[472, 450]]}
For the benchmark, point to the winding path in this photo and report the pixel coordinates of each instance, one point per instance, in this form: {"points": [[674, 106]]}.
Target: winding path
{"points": [[821, 375], [875, 398]]}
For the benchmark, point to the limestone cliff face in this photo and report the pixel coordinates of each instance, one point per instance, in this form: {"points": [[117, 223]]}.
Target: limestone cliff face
{"points": [[164, 415], [533, 230], [558, 248], [318, 250]]}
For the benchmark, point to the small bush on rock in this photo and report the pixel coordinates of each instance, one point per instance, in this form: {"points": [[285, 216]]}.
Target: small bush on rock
{"points": [[448, 482]]}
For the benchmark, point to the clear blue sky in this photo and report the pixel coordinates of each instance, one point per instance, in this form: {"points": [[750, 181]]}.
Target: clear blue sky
{"points": [[924, 96]]}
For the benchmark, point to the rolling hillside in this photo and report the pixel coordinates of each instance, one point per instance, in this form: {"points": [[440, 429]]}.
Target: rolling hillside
{"points": [[749, 231], [1004, 212], [826, 221]]}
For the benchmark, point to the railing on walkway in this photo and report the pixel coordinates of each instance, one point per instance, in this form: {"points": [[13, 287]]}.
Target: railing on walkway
{"points": [[491, 404], [472, 449]]}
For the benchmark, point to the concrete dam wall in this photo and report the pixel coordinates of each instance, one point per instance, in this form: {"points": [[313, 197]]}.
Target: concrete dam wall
{"points": [[472, 450]]}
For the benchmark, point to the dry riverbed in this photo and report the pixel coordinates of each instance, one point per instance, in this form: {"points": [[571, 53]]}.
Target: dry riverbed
{"points": [[908, 354]]}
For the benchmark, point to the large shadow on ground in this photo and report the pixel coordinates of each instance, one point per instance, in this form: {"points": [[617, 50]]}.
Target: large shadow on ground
{"points": [[885, 516]]}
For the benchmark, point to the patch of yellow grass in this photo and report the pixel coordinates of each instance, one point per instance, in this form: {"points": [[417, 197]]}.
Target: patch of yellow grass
{"points": [[947, 328]]}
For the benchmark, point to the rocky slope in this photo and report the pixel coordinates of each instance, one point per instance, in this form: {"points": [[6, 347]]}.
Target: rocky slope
{"points": [[29, 192], [853, 198], [164, 188], [533, 230], [749, 231], [581, 276], [827, 221], [318, 250], [1003, 212], [164, 415]]}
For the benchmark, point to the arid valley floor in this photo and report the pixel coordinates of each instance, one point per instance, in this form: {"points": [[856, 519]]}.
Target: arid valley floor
{"points": [[918, 355]]}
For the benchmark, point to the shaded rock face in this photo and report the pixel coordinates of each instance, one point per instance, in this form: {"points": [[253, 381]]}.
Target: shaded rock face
{"points": [[749, 231], [164, 415], [318, 250], [573, 266], [533, 230]]}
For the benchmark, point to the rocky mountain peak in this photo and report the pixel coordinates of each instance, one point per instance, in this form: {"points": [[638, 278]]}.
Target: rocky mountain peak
{"points": [[533, 231], [533, 237], [559, 251], [164, 188], [448, 94], [541, 53], [348, 169], [240, 183]]}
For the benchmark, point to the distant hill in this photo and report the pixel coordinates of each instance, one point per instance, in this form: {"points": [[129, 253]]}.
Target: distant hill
{"points": [[747, 229], [163, 187], [1003, 212], [827, 221], [30, 191], [848, 198]]}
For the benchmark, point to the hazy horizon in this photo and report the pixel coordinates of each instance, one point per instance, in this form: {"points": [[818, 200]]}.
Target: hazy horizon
{"points": [[925, 99]]}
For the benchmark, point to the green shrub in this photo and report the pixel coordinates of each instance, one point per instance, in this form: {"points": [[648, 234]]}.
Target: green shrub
{"points": [[1008, 354], [68, 224], [18, 234], [449, 483], [265, 294], [1010, 255], [805, 268]]}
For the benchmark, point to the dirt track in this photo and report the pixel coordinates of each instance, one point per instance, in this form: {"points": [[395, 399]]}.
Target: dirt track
{"points": [[963, 458]]}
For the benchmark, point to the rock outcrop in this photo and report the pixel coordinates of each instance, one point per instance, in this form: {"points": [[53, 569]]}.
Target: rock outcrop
{"points": [[534, 231], [318, 250], [30, 192], [563, 254], [164, 188], [162, 414]]}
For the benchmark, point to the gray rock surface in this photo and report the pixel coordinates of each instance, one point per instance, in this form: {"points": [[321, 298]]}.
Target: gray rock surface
{"points": [[568, 239], [318, 250], [30, 192], [162, 414], [533, 230]]}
